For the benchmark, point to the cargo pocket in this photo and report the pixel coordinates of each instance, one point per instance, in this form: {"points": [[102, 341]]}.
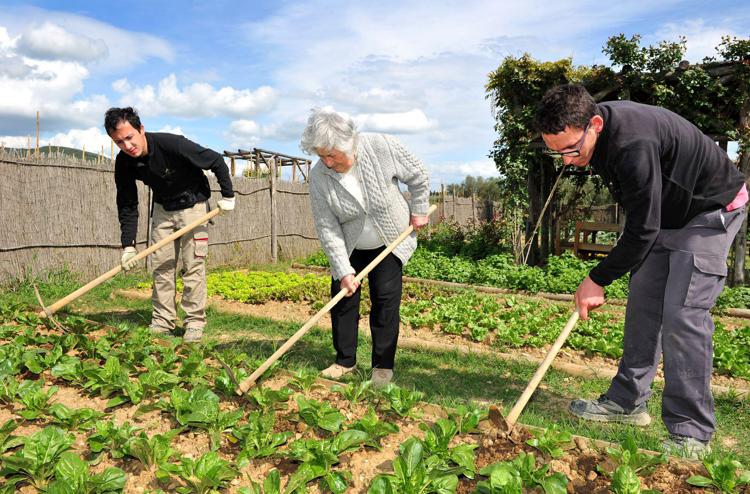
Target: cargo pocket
{"points": [[706, 281], [201, 243]]}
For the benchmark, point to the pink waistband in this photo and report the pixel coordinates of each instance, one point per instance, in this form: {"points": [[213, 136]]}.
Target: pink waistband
{"points": [[739, 200]]}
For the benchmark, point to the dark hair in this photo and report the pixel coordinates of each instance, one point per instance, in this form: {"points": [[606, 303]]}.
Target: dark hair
{"points": [[563, 106], [114, 116]]}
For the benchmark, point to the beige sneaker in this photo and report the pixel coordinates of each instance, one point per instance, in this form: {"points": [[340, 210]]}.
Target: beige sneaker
{"points": [[192, 335], [335, 371], [381, 377]]}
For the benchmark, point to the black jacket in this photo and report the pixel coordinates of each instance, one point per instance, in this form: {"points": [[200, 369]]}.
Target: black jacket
{"points": [[663, 171], [173, 169]]}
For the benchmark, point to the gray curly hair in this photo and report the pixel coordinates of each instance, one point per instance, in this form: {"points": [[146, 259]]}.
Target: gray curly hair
{"points": [[328, 129]]}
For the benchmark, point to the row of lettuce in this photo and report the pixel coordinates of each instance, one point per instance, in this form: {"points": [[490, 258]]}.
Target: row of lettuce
{"points": [[196, 395], [561, 274], [503, 322]]}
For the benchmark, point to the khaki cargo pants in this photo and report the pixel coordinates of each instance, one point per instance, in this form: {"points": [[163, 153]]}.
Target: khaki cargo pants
{"points": [[190, 252]]}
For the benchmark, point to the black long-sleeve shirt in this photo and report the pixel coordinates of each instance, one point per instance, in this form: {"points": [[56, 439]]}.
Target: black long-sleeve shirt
{"points": [[663, 171], [173, 169]]}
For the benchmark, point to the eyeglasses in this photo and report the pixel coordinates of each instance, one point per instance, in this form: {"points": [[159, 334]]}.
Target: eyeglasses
{"points": [[572, 153]]}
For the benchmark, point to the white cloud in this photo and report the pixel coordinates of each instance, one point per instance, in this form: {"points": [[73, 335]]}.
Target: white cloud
{"points": [[52, 42], [53, 89], [397, 123], [452, 172], [93, 139], [245, 134], [172, 130], [702, 37], [194, 100], [62, 35], [44, 67]]}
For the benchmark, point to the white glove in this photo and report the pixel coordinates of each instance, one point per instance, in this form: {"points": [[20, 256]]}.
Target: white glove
{"points": [[127, 262], [226, 204]]}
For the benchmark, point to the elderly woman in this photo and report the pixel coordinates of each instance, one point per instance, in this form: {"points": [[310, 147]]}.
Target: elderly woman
{"points": [[358, 210]]}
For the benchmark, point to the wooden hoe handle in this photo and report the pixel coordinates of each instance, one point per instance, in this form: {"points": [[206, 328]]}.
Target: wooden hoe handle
{"points": [[249, 381], [541, 371], [112, 272]]}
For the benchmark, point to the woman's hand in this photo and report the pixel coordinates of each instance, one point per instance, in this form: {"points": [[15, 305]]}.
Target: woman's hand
{"points": [[419, 221], [350, 283]]}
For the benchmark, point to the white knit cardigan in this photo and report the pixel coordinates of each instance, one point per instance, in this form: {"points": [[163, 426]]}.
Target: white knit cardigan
{"points": [[382, 161]]}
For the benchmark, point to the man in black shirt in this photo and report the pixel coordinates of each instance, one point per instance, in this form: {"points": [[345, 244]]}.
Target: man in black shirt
{"points": [[684, 202], [174, 169]]}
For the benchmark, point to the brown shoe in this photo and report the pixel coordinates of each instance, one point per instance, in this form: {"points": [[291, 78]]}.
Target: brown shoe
{"points": [[381, 377], [335, 371]]}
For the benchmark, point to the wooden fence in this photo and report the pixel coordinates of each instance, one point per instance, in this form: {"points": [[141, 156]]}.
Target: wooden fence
{"points": [[61, 213]]}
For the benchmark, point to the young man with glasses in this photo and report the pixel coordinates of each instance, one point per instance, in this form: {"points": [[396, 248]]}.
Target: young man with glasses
{"points": [[684, 202]]}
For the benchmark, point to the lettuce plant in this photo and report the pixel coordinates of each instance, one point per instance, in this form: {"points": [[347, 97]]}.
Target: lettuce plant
{"points": [[550, 441], [73, 418], [72, 476], [7, 439], [267, 399], [271, 485], [412, 475], [353, 392], [400, 400], [318, 457], [35, 399], [725, 472], [319, 414], [258, 438], [35, 462], [199, 408], [206, 475], [626, 481], [374, 427], [108, 436]]}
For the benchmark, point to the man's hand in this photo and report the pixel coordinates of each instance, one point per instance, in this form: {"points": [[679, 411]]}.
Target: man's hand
{"points": [[588, 297], [419, 221], [126, 261], [226, 204], [350, 283]]}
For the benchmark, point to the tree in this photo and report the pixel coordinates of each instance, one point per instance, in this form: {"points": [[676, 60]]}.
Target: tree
{"points": [[714, 95]]}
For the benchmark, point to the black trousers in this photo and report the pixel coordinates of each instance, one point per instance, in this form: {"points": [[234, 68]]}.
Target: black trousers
{"points": [[385, 295]]}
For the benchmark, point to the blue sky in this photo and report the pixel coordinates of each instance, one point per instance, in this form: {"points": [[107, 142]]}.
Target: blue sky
{"points": [[232, 74]]}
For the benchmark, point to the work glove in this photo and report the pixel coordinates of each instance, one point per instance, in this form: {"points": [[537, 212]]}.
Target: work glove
{"points": [[127, 261], [226, 204]]}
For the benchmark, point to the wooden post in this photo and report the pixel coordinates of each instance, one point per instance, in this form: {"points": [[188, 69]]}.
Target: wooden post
{"points": [[274, 239], [37, 133], [294, 171], [442, 196], [111, 150], [453, 195], [257, 163], [83, 153], [307, 176], [233, 165], [473, 208], [743, 161]]}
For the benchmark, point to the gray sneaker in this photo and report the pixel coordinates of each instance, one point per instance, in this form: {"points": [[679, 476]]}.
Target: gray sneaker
{"points": [[192, 335], [606, 410], [685, 447]]}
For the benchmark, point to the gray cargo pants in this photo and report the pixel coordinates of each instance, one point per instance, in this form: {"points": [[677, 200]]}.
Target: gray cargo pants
{"points": [[671, 293], [189, 251]]}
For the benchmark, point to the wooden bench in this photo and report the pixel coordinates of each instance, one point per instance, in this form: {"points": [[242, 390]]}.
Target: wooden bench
{"points": [[585, 245]]}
